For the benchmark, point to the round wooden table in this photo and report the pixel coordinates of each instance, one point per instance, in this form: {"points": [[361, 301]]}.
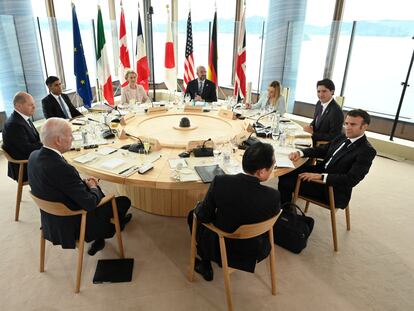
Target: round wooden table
{"points": [[156, 191]]}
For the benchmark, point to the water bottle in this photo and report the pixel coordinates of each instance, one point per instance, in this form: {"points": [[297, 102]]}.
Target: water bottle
{"points": [[275, 126], [282, 139], [84, 138]]}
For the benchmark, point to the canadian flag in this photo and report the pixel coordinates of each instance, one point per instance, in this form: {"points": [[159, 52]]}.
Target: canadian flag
{"points": [[104, 73], [124, 63], [170, 69], [141, 57]]}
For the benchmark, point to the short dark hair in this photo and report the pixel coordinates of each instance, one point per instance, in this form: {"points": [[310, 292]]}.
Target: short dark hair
{"points": [[50, 80], [360, 113], [257, 156], [328, 83]]}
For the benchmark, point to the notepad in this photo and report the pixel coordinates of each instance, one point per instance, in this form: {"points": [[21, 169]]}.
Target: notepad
{"points": [[174, 162], [85, 158], [106, 150], [284, 162], [112, 163]]}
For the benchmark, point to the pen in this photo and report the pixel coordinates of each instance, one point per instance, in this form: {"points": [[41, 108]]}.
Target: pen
{"points": [[127, 169]]}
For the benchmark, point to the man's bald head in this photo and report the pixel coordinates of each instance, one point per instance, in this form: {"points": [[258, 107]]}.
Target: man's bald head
{"points": [[24, 103], [201, 72], [57, 134]]}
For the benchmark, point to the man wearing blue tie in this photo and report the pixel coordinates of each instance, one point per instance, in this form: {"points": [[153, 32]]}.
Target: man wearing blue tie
{"points": [[346, 161], [57, 104]]}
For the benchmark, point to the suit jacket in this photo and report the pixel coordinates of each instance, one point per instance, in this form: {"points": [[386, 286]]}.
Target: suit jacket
{"points": [[51, 178], [330, 124], [51, 107], [209, 91], [232, 201], [347, 169], [19, 140]]}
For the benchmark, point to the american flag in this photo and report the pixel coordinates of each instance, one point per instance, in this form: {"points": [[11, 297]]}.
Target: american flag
{"points": [[189, 59]]}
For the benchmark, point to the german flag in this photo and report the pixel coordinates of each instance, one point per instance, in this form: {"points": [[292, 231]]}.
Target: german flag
{"points": [[212, 53]]}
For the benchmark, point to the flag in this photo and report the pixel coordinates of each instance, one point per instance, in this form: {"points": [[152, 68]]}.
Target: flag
{"points": [[141, 57], [83, 86], [104, 73], [240, 70], [212, 53], [123, 49], [189, 58], [170, 69]]}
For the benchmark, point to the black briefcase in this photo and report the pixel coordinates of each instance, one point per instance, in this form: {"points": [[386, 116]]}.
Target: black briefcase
{"points": [[292, 230]]}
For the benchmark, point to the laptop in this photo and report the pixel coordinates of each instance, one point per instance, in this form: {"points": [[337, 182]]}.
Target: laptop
{"points": [[208, 172]]}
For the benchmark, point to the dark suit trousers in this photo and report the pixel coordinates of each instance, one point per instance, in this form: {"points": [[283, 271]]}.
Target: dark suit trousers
{"points": [[287, 184]]}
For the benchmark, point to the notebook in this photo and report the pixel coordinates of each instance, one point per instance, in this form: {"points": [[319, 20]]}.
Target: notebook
{"points": [[208, 172], [113, 270]]}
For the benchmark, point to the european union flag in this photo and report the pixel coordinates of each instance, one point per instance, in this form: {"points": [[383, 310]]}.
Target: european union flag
{"points": [[83, 87]]}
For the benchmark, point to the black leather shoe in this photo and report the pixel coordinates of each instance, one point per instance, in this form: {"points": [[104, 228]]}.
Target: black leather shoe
{"points": [[204, 268], [126, 220], [96, 246]]}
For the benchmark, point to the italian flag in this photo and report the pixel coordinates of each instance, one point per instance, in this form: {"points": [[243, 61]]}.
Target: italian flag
{"points": [[104, 73]]}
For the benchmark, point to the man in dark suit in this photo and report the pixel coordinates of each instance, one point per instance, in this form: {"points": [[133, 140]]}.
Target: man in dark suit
{"points": [[346, 161], [328, 117], [201, 89], [51, 178], [232, 201], [20, 136], [57, 104]]}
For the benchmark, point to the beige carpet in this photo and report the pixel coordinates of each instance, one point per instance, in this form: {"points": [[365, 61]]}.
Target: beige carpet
{"points": [[374, 269]]}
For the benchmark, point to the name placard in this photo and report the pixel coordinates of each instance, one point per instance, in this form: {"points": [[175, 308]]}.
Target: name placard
{"points": [[228, 114], [188, 108], [156, 109], [125, 119]]}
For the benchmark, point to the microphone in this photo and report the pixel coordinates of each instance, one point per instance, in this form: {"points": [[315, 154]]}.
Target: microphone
{"points": [[257, 123], [105, 134], [116, 120]]}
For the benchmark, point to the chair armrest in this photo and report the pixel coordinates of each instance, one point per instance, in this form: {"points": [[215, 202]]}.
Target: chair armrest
{"points": [[106, 199], [318, 182], [11, 160], [216, 230]]}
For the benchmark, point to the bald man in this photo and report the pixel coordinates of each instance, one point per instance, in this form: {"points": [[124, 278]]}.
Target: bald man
{"points": [[51, 178], [20, 137], [202, 89]]}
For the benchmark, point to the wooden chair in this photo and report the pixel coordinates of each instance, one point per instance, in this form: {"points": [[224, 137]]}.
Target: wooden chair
{"points": [[285, 93], [340, 100], [20, 182], [59, 209], [243, 232], [330, 206]]}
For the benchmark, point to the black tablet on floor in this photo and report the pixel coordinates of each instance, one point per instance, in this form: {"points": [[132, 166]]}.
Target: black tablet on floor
{"points": [[113, 270]]}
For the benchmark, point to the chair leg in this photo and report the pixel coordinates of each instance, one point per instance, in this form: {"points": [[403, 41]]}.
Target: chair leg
{"points": [[272, 259], [80, 255], [193, 249], [348, 218], [307, 206], [226, 275], [333, 223], [118, 228], [42, 251], [19, 192]]}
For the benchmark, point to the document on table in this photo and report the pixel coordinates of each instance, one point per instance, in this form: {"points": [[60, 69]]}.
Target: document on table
{"points": [[173, 163], [106, 150], [284, 162], [85, 158], [112, 163]]}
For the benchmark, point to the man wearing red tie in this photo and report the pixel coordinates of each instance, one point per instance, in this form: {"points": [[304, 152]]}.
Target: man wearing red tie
{"points": [[57, 104], [346, 161]]}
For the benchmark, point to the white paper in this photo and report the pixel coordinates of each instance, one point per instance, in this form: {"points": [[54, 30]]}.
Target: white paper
{"points": [[85, 158], [106, 150], [284, 162], [173, 163], [112, 163]]}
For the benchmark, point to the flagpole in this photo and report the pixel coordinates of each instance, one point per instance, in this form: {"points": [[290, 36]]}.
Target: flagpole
{"points": [[260, 60], [132, 40]]}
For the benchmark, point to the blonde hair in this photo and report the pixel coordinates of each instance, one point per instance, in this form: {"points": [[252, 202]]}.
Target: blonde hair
{"points": [[128, 72], [277, 86]]}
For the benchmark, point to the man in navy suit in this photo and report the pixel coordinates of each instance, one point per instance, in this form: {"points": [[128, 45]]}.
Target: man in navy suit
{"points": [[51, 178], [346, 161], [201, 89], [20, 137], [328, 117], [57, 104], [233, 201]]}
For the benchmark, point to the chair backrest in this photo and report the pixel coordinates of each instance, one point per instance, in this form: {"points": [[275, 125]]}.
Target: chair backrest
{"points": [[11, 159], [247, 231], [55, 208], [340, 101], [285, 93]]}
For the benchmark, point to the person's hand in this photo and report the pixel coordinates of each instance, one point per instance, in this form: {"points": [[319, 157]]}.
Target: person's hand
{"points": [[91, 182], [294, 156], [308, 128], [198, 98], [310, 176], [248, 106]]}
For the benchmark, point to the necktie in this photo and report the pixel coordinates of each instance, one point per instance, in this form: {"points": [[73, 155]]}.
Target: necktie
{"points": [[200, 87], [342, 149], [32, 126], [64, 108], [318, 115]]}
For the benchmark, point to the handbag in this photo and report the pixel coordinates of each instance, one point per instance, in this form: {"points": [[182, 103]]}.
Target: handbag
{"points": [[292, 230]]}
